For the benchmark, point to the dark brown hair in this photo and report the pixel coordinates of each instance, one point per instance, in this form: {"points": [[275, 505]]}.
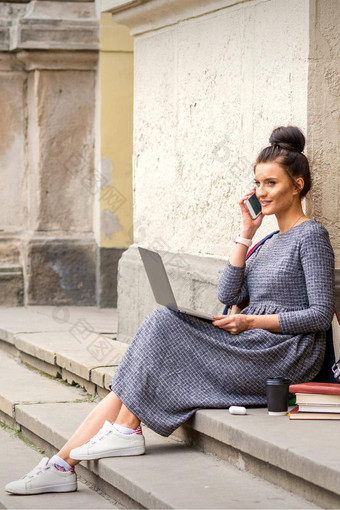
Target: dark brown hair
{"points": [[287, 144]]}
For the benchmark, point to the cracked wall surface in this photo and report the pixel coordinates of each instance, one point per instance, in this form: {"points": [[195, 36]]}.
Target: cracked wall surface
{"points": [[212, 80], [324, 116], [208, 92]]}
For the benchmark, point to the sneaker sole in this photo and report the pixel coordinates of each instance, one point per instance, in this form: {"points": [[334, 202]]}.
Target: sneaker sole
{"points": [[71, 487], [123, 452]]}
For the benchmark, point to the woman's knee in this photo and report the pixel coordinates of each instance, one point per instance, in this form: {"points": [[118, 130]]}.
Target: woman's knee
{"points": [[161, 315]]}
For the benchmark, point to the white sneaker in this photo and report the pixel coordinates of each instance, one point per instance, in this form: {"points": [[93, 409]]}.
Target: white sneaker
{"points": [[44, 478], [104, 430], [112, 443]]}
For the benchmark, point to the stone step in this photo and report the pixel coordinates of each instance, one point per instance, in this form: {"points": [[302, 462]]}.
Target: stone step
{"points": [[37, 319], [75, 343], [170, 475], [298, 456], [20, 385], [18, 458]]}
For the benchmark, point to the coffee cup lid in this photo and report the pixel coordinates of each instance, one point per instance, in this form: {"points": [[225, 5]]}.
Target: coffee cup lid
{"points": [[272, 381]]}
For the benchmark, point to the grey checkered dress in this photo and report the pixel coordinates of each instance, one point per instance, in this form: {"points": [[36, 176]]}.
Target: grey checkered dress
{"points": [[177, 364]]}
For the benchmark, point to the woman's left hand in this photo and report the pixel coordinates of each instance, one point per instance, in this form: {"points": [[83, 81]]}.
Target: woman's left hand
{"points": [[235, 323]]}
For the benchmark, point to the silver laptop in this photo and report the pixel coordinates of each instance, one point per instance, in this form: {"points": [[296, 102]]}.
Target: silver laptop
{"points": [[160, 284]]}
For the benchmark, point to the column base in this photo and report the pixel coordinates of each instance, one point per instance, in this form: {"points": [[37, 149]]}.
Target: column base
{"points": [[61, 272]]}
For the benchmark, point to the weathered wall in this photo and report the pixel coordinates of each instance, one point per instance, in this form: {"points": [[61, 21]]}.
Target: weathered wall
{"points": [[324, 116], [48, 61], [116, 112], [208, 92], [61, 113], [114, 224], [324, 120], [65, 152], [211, 82], [12, 144]]}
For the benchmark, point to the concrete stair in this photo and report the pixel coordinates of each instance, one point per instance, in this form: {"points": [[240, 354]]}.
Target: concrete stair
{"points": [[170, 475], [258, 461], [16, 454]]}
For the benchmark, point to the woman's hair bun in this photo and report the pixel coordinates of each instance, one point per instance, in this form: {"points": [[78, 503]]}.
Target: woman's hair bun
{"points": [[287, 144], [288, 137]]}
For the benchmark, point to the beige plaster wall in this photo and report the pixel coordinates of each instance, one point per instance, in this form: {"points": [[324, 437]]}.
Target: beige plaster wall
{"points": [[208, 92], [116, 114]]}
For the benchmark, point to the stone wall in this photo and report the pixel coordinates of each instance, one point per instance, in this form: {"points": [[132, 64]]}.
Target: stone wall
{"points": [[48, 68], [212, 79], [324, 116]]}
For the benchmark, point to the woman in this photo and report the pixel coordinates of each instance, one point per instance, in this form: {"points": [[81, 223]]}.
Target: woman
{"points": [[177, 364]]}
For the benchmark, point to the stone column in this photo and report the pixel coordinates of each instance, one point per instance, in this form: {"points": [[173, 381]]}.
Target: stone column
{"points": [[212, 79], [48, 62], [13, 174], [323, 126]]}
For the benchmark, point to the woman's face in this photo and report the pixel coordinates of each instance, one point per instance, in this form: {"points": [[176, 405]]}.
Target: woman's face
{"points": [[274, 188]]}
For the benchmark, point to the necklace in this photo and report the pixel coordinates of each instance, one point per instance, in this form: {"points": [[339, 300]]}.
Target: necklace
{"points": [[293, 224]]}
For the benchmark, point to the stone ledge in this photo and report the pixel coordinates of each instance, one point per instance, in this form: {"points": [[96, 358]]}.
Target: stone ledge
{"points": [[20, 385], [81, 363], [46, 319], [102, 376], [170, 475], [144, 15], [69, 341], [50, 25], [45, 36], [302, 451], [40, 365], [57, 11], [57, 60], [60, 353]]}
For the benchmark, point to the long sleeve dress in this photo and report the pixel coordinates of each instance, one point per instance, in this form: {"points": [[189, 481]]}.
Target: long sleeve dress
{"points": [[177, 364]]}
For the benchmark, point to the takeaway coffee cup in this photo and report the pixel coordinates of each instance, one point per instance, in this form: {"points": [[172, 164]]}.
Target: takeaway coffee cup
{"points": [[277, 395]]}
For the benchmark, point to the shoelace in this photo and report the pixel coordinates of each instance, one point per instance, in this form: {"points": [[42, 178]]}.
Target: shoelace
{"points": [[106, 434], [32, 475], [35, 471], [102, 432]]}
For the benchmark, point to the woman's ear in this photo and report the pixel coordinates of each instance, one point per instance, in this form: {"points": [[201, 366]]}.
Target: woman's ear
{"points": [[299, 185]]}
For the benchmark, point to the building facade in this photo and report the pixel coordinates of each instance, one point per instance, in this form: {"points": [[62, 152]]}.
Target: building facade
{"points": [[211, 81], [65, 155]]}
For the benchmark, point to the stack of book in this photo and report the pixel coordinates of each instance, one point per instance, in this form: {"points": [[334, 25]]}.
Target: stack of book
{"points": [[316, 401]]}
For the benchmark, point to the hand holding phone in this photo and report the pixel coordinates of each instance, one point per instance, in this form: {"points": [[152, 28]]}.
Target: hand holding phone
{"points": [[253, 205]]}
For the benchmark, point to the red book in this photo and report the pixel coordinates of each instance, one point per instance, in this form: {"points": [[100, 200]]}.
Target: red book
{"points": [[294, 414], [317, 388]]}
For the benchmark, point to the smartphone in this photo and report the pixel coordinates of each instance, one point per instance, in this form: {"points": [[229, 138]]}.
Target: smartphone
{"points": [[253, 206]]}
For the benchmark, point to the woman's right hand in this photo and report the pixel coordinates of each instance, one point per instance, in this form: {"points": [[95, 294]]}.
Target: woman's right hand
{"points": [[250, 225]]}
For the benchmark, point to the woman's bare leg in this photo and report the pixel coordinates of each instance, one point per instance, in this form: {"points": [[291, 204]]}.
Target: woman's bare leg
{"points": [[126, 418], [106, 409]]}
